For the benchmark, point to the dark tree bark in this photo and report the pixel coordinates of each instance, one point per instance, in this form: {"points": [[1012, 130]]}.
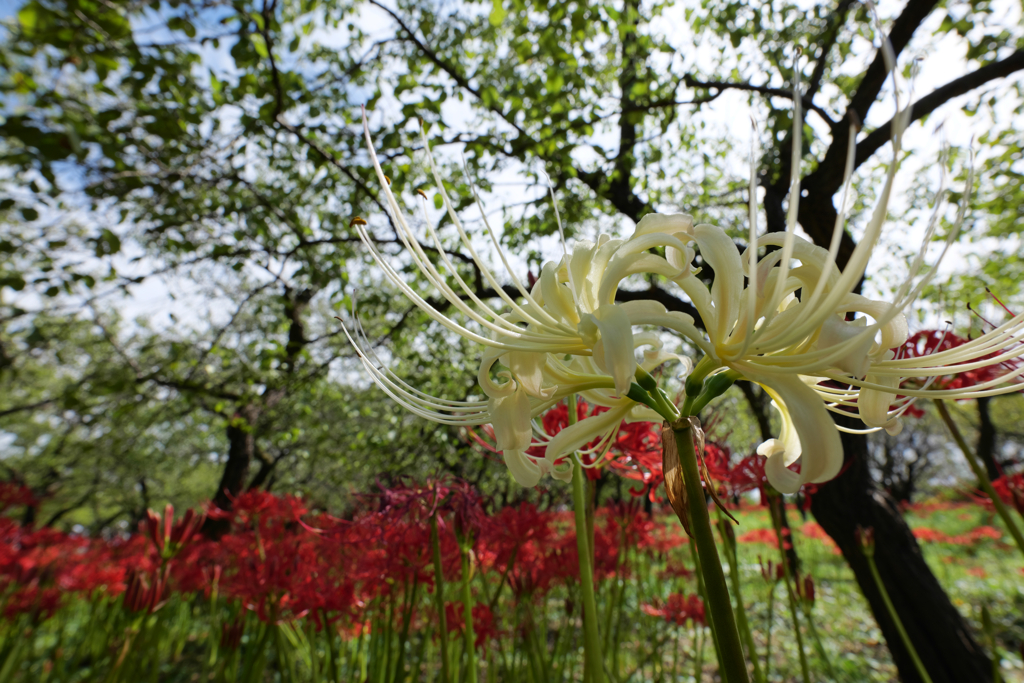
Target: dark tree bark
{"points": [[986, 447], [939, 633], [241, 451], [244, 424]]}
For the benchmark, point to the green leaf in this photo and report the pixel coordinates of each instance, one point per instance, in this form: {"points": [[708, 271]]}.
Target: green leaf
{"points": [[498, 14], [28, 17]]}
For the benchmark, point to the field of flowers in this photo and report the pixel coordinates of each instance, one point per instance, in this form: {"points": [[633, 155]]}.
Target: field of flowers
{"points": [[291, 595]]}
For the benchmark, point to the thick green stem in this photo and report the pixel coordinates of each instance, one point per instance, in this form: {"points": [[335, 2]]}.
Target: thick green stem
{"points": [[709, 616], [982, 476], [734, 664], [467, 618], [435, 547], [591, 638], [918, 664], [741, 612]]}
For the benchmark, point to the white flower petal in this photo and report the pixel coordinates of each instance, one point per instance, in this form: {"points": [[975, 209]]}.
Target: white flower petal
{"points": [[524, 470], [528, 369], [808, 434], [613, 345], [873, 405], [510, 416], [583, 432], [718, 251]]}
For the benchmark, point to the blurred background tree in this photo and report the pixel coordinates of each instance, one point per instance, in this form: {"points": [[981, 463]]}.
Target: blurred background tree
{"points": [[180, 178]]}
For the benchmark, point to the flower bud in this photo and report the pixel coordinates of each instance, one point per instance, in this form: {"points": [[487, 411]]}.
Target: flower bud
{"points": [[866, 538]]}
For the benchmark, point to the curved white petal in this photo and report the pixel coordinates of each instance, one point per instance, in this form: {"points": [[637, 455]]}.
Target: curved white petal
{"points": [[718, 251], [874, 405], [610, 334], [524, 470], [808, 434], [510, 416], [583, 432], [528, 369]]}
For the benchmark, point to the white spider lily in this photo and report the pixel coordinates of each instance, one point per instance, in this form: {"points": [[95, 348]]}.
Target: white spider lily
{"points": [[564, 336], [786, 327]]}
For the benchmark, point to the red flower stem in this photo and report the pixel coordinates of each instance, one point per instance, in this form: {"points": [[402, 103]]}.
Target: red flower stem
{"points": [[733, 664], [979, 472], [435, 549]]}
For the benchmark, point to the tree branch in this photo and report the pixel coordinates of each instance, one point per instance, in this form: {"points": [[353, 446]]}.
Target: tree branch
{"points": [[806, 100], [929, 103]]}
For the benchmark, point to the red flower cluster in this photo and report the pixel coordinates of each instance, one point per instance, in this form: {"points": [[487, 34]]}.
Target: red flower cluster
{"points": [[927, 342], [970, 538], [1010, 490], [678, 609], [283, 563]]}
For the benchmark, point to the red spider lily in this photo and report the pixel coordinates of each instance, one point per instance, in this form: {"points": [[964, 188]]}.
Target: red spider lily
{"points": [[145, 594], [1010, 490], [13, 494], [634, 453], [675, 571], [976, 535], [771, 572], [168, 536], [667, 537], [249, 507], [814, 530], [970, 538], [927, 342], [747, 475], [678, 609], [760, 536], [930, 535], [484, 628], [805, 590]]}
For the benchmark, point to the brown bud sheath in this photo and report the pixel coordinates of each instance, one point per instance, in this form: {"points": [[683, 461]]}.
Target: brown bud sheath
{"points": [[674, 487]]}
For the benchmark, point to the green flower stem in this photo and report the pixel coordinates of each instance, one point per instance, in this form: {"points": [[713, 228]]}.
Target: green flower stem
{"points": [[591, 638], [435, 547], [734, 665], [918, 664], [979, 472], [819, 646], [702, 592], [467, 617], [594, 662], [768, 630], [805, 670], [741, 612]]}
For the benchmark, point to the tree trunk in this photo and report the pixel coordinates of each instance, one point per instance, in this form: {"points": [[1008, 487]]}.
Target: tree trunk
{"points": [[986, 448], [241, 451], [941, 636]]}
